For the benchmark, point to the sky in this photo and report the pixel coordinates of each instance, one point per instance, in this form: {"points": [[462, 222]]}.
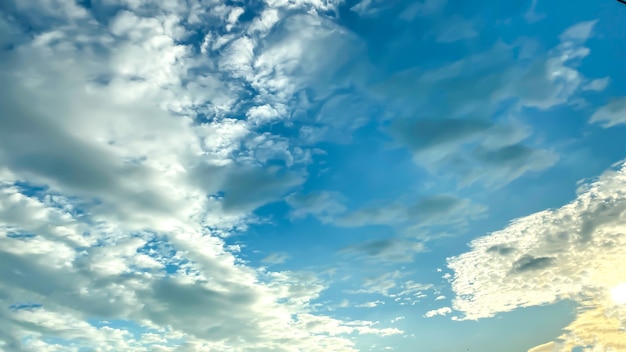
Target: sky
{"points": [[312, 175]]}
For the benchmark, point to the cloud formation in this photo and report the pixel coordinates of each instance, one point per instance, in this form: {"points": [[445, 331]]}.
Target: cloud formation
{"points": [[575, 252], [128, 156], [463, 119]]}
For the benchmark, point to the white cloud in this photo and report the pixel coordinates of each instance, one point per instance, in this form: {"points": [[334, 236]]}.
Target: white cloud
{"points": [[598, 85], [578, 32], [612, 114], [443, 311], [371, 304], [575, 252]]}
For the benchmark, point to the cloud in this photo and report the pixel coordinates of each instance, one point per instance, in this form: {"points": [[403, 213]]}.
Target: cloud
{"points": [[486, 97], [371, 8], [423, 8], [276, 258], [612, 114], [575, 252], [371, 304], [455, 29], [121, 176], [386, 250], [598, 85], [578, 32], [425, 211], [531, 15], [499, 157], [323, 205], [443, 311], [595, 329], [389, 285]]}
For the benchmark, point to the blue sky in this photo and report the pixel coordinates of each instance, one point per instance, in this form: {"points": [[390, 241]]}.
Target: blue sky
{"points": [[312, 175]]}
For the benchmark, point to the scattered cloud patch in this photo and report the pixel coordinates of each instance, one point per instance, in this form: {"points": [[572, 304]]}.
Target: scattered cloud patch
{"points": [[443, 311], [325, 206], [276, 258], [612, 114]]}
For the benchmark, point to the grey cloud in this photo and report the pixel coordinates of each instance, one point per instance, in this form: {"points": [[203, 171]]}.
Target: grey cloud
{"points": [[30, 143], [204, 312], [428, 210], [386, 250], [243, 187], [323, 205], [497, 167], [250, 188], [437, 205], [530, 263], [424, 134], [509, 155], [501, 249], [443, 145]]}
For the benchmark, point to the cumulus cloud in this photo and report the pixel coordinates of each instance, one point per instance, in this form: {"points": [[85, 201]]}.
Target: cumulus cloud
{"points": [[575, 252], [121, 175]]}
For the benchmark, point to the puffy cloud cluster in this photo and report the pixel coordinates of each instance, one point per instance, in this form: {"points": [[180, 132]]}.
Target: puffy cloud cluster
{"points": [[575, 252]]}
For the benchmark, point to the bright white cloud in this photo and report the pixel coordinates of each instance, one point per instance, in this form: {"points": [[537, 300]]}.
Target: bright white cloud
{"points": [[575, 252]]}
